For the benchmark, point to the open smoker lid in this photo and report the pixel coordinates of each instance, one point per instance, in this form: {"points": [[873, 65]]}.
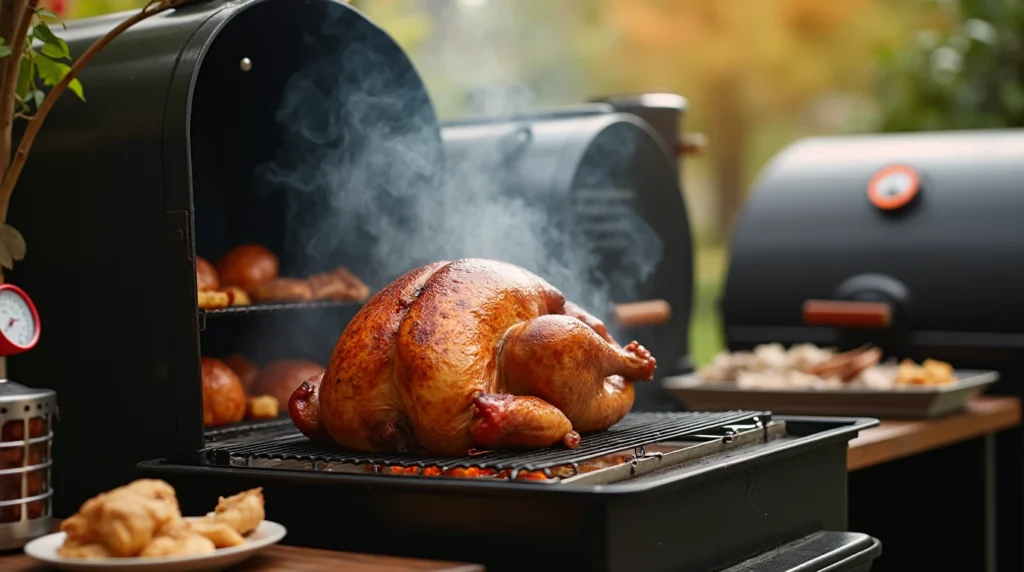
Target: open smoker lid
{"points": [[921, 230]]}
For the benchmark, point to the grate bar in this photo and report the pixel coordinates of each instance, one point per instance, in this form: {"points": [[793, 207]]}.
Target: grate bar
{"points": [[636, 430]]}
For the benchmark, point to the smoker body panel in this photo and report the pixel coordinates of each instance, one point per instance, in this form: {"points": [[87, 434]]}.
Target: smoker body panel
{"points": [[952, 253], [162, 160], [748, 501]]}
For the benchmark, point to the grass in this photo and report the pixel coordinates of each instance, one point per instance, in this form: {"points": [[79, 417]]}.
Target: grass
{"points": [[705, 323]]}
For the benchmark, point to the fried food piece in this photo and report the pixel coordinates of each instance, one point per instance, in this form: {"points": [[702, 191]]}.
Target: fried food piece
{"points": [[247, 265], [223, 395], [262, 407], [931, 372], [237, 296], [179, 541], [213, 299], [242, 512], [206, 275], [84, 551], [123, 520], [220, 534], [282, 290]]}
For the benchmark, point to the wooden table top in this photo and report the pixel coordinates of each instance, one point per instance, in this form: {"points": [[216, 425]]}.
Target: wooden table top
{"points": [[280, 558], [894, 439]]}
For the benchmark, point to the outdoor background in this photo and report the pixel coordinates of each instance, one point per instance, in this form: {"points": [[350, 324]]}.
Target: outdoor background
{"points": [[758, 73]]}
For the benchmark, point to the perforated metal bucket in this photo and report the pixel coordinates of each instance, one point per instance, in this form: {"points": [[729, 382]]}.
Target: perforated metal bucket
{"points": [[25, 462]]}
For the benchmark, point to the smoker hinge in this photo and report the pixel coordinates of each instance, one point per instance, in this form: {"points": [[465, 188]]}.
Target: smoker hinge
{"points": [[177, 226]]}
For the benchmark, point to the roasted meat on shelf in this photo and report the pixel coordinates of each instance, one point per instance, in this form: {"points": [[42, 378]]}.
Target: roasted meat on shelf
{"points": [[471, 354], [223, 395]]}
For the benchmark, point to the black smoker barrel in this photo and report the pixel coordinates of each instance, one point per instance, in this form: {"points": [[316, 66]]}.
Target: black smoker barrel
{"points": [[927, 224], [192, 142], [609, 211]]}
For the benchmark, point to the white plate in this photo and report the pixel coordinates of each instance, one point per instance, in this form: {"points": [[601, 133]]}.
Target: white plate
{"points": [[266, 534]]}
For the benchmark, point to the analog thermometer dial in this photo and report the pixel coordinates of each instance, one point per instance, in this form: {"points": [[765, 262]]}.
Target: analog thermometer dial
{"points": [[19, 321]]}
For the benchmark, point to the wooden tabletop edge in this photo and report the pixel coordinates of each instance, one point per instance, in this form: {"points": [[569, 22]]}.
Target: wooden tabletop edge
{"points": [[892, 440]]}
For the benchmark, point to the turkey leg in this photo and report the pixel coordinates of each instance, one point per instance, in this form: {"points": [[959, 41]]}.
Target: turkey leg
{"points": [[512, 421], [567, 363]]}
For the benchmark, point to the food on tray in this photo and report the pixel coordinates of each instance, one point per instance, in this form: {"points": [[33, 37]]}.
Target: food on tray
{"points": [[206, 275], [772, 366], [247, 265], [142, 518], [339, 285], [223, 395], [282, 290], [931, 372], [243, 368], [281, 377], [213, 300], [419, 368], [210, 294], [262, 407], [251, 272]]}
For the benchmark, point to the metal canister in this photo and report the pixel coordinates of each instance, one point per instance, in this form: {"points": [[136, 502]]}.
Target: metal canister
{"points": [[26, 437]]}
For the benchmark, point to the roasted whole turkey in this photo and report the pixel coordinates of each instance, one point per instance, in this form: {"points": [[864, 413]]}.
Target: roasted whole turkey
{"points": [[468, 355]]}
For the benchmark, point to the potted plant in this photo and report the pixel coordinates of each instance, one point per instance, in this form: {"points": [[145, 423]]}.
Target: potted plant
{"points": [[36, 68]]}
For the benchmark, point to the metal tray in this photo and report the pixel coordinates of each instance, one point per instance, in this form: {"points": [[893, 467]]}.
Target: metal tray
{"points": [[902, 402]]}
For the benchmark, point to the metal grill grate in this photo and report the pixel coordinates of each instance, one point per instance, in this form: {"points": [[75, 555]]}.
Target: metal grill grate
{"points": [[636, 430]]}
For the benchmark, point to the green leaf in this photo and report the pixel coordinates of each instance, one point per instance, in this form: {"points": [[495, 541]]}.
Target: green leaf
{"points": [[4, 51], [36, 96], [49, 71], [42, 32], [55, 52], [76, 87], [24, 78], [13, 241]]}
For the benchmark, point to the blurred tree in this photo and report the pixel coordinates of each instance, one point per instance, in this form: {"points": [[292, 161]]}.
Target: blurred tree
{"points": [[742, 64], [966, 70]]}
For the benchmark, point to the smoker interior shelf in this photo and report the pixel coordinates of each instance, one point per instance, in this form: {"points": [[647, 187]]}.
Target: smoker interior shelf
{"points": [[636, 430], [267, 308]]}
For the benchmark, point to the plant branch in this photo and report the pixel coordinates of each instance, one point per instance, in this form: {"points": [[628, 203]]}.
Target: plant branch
{"points": [[10, 178], [20, 14]]}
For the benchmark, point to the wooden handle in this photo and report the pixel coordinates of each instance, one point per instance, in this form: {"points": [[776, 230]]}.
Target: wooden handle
{"points": [[691, 144], [847, 314], [643, 313]]}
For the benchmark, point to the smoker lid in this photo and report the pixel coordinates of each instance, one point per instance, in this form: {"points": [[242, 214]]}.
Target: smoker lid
{"points": [[13, 391], [920, 230]]}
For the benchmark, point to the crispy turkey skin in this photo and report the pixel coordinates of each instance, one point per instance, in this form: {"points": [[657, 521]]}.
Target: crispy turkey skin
{"points": [[470, 354]]}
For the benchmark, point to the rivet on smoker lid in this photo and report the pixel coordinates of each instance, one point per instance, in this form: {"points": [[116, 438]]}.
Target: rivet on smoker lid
{"points": [[245, 65]]}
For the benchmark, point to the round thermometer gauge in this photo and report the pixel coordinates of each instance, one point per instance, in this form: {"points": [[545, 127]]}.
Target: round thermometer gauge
{"points": [[19, 321]]}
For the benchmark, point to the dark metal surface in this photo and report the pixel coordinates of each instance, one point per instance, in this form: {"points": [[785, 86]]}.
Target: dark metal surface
{"points": [[809, 231], [615, 221], [122, 192], [636, 430], [705, 515], [825, 551]]}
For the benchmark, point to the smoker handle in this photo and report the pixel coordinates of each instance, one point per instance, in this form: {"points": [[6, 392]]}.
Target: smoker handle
{"points": [[847, 314], [691, 144], [643, 313]]}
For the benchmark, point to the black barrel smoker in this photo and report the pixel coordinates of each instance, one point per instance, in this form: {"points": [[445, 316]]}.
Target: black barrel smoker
{"points": [[609, 207], [927, 225]]}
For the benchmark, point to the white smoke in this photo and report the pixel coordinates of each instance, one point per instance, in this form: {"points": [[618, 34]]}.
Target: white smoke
{"points": [[361, 166]]}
